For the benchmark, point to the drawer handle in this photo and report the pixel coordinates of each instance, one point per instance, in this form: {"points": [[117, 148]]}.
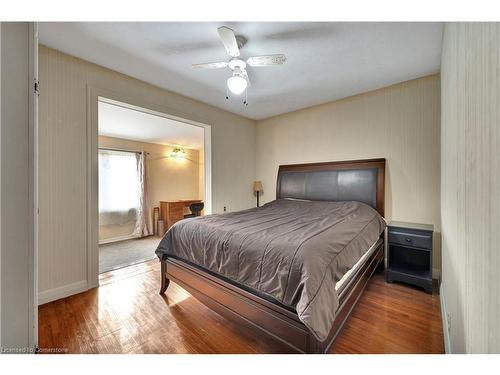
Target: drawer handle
{"points": [[408, 240]]}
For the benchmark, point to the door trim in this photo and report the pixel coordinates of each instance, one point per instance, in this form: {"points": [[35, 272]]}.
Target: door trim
{"points": [[33, 183], [94, 95]]}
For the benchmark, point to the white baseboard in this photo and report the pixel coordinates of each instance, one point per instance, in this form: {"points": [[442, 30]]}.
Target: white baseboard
{"points": [[446, 334], [118, 239], [436, 273], [61, 292]]}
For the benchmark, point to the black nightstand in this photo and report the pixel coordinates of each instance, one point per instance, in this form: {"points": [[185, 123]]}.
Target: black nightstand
{"points": [[409, 254]]}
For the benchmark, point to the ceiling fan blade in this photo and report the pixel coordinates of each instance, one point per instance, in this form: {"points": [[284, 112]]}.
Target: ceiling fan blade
{"points": [[214, 65], [266, 60], [229, 40]]}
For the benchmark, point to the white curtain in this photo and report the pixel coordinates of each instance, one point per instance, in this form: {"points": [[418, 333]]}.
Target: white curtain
{"points": [[144, 224], [123, 190]]}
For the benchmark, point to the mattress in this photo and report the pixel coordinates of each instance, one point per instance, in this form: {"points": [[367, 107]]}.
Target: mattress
{"points": [[344, 281]]}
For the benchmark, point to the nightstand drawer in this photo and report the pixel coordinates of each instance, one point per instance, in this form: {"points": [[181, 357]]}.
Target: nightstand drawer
{"points": [[410, 239]]}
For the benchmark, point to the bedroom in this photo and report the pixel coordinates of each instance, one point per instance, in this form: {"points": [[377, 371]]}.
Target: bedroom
{"points": [[344, 170], [151, 175]]}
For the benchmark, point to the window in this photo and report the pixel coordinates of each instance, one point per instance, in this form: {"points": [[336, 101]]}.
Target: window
{"points": [[119, 182]]}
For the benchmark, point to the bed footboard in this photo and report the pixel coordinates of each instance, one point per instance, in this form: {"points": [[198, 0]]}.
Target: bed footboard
{"points": [[260, 314]]}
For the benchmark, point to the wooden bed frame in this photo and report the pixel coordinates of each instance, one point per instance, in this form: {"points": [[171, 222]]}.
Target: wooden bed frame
{"points": [[264, 316]]}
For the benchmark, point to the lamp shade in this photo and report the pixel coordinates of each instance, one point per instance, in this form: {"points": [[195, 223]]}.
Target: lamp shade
{"points": [[257, 187]]}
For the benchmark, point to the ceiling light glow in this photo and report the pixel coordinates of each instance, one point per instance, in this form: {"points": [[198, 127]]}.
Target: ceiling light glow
{"points": [[237, 84], [178, 153]]}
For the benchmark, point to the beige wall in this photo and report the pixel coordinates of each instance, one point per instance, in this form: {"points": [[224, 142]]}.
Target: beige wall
{"points": [[17, 313], [169, 179], [399, 123], [470, 195], [64, 144]]}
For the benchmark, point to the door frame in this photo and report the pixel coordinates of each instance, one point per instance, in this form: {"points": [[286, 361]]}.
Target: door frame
{"points": [[94, 95], [33, 182]]}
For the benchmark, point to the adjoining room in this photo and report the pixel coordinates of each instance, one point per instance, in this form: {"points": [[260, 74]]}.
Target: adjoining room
{"points": [[151, 175]]}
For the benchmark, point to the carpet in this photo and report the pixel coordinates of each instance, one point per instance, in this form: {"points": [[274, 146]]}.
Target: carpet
{"points": [[126, 253]]}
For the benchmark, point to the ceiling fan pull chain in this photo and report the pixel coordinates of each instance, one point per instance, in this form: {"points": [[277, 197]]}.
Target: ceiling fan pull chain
{"points": [[227, 93], [246, 97]]}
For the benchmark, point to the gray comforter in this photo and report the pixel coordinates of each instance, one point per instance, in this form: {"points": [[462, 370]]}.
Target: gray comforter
{"points": [[292, 251]]}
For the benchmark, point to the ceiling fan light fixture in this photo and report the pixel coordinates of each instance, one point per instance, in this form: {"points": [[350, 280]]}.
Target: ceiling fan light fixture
{"points": [[237, 84], [178, 153]]}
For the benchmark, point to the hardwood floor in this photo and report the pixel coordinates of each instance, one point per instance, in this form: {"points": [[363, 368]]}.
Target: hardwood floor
{"points": [[127, 315]]}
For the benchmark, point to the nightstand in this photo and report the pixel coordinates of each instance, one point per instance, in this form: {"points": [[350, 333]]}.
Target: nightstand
{"points": [[409, 254]]}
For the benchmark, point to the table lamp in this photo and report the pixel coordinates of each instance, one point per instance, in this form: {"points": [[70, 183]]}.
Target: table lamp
{"points": [[257, 189]]}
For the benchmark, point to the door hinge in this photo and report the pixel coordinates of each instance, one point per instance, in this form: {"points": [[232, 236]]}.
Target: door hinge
{"points": [[37, 87]]}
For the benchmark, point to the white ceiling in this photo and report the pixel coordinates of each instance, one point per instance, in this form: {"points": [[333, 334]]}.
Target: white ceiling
{"points": [[325, 61], [121, 122]]}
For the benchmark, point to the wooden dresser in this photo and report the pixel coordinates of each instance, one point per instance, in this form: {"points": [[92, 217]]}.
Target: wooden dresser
{"points": [[173, 211]]}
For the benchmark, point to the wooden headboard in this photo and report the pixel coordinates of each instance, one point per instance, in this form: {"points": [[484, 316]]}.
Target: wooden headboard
{"points": [[352, 180]]}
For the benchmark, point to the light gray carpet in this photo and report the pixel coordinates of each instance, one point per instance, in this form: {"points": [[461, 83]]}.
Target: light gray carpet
{"points": [[126, 253]]}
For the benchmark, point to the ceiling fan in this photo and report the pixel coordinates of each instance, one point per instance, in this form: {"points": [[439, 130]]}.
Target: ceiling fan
{"points": [[239, 81]]}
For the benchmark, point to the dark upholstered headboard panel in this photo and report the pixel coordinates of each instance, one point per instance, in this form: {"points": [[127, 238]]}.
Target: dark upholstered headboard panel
{"points": [[354, 180]]}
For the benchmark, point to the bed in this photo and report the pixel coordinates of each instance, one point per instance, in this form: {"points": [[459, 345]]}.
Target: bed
{"points": [[294, 268]]}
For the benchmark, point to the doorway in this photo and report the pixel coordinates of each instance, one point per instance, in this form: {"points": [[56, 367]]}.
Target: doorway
{"points": [[144, 158], [121, 241]]}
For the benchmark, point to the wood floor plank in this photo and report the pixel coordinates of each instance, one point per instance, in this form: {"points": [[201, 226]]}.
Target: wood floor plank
{"points": [[127, 315]]}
